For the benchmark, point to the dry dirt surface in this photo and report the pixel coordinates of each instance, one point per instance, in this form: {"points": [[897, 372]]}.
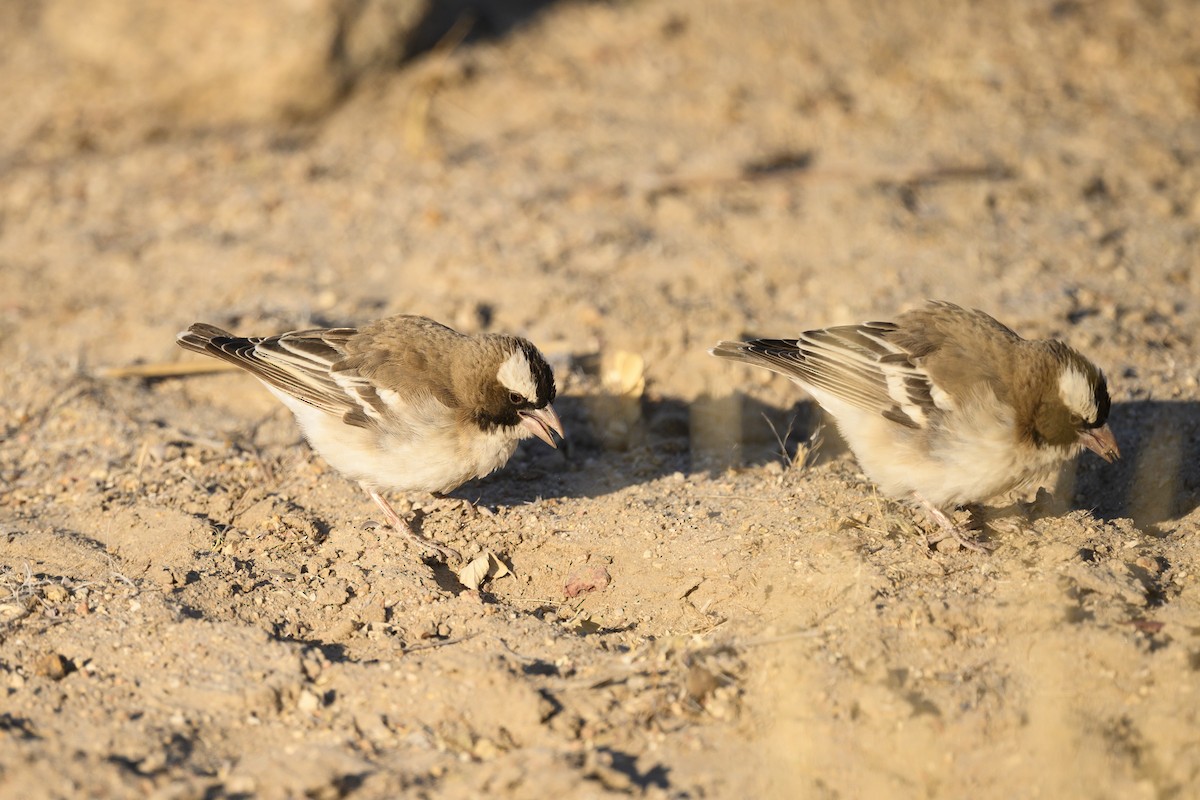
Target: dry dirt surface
{"points": [[193, 605]]}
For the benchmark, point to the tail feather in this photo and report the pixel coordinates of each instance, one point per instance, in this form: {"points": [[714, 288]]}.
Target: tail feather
{"points": [[199, 338], [212, 341], [779, 355], [287, 363]]}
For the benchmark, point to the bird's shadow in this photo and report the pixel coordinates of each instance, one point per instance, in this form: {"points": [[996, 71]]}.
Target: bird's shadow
{"points": [[614, 442], [1157, 479]]}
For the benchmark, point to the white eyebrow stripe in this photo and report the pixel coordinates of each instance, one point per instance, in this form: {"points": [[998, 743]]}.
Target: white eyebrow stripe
{"points": [[516, 375], [1076, 393]]}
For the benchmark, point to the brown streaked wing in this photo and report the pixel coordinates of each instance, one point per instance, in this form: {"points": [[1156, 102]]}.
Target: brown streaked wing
{"points": [[297, 363], [854, 363]]}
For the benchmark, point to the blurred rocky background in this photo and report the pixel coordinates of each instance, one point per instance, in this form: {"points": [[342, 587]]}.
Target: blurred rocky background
{"points": [[111, 72]]}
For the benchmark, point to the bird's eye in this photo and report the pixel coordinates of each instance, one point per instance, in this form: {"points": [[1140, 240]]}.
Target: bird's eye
{"points": [[515, 398], [1076, 421]]}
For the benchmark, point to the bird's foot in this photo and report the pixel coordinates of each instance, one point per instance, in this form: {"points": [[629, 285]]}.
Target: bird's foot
{"points": [[400, 526], [425, 542], [959, 536], [948, 530]]}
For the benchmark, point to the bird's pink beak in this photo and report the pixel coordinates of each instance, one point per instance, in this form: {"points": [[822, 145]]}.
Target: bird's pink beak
{"points": [[1101, 442], [543, 423]]}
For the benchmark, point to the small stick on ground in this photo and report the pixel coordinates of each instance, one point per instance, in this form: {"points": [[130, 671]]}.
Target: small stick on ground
{"points": [[172, 369]]}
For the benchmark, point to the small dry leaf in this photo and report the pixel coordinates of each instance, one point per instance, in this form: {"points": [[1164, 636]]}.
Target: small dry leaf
{"points": [[486, 565], [623, 373], [499, 568]]}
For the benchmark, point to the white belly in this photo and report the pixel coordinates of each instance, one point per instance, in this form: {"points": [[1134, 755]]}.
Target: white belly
{"points": [[429, 455], [951, 465]]}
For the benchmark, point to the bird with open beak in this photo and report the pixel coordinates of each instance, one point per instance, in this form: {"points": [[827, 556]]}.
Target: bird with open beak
{"points": [[402, 404], [946, 405]]}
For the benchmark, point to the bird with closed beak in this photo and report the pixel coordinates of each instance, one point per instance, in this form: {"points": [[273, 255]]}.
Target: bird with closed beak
{"points": [[402, 404], [946, 405]]}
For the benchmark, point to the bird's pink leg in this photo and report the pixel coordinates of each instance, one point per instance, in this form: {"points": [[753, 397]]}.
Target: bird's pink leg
{"points": [[402, 527], [949, 529]]}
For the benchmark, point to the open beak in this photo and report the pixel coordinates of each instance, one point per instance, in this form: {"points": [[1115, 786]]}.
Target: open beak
{"points": [[543, 423], [1101, 442]]}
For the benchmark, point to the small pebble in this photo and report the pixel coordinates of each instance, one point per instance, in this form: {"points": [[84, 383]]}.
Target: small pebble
{"points": [[53, 666], [308, 702]]}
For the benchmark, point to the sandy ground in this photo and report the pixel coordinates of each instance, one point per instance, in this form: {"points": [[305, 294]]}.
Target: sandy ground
{"points": [[193, 605]]}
